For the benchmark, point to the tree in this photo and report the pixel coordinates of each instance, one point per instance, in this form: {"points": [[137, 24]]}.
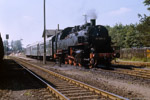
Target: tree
{"points": [[144, 26], [117, 34], [132, 37], [16, 46], [125, 36], [6, 45], [147, 3]]}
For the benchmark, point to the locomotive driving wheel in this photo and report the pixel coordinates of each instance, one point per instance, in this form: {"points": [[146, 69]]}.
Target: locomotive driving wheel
{"points": [[66, 59], [78, 60], [93, 63]]}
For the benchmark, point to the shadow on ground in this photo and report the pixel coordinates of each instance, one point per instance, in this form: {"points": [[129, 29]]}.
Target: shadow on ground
{"points": [[15, 78], [126, 66]]}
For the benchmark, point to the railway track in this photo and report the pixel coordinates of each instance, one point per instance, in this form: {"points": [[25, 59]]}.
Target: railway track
{"points": [[135, 72], [49, 87], [138, 64], [69, 89]]}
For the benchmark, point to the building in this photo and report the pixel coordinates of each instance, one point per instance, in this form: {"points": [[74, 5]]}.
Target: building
{"points": [[51, 32]]}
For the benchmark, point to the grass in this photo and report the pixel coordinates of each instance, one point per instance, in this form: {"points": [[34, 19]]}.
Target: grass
{"points": [[136, 59]]}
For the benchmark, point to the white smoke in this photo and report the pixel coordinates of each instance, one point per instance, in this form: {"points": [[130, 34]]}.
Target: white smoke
{"points": [[92, 14]]}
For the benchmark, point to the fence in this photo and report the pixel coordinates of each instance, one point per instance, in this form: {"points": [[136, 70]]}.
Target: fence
{"points": [[135, 53]]}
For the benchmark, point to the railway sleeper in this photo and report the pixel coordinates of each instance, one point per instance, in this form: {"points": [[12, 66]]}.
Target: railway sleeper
{"points": [[49, 96], [68, 89], [85, 97], [64, 85], [79, 94], [74, 91], [45, 93]]}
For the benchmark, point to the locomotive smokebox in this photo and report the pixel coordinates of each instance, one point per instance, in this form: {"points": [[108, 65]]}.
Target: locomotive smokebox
{"points": [[93, 22]]}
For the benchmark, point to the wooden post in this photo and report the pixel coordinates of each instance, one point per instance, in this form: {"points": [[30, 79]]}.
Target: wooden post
{"points": [[44, 56]]}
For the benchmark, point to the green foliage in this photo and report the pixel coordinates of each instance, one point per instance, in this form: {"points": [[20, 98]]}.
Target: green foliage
{"points": [[6, 45], [147, 3], [132, 37], [16, 46], [136, 59], [144, 59], [144, 26], [117, 34], [124, 36], [139, 59], [127, 36]]}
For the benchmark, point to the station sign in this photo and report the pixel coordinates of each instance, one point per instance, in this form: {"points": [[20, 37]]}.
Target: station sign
{"points": [[148, 50], [148, 53]]}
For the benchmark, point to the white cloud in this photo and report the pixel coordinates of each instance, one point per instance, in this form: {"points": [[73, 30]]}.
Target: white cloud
{"points": [[29, 18], [120, 11]]}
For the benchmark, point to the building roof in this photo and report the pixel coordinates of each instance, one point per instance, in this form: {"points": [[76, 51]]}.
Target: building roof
{"points": [[51, 32]]}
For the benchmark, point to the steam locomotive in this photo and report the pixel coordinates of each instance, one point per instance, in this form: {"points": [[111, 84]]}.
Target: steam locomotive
{"points": [[1, 49], [86, 45]]}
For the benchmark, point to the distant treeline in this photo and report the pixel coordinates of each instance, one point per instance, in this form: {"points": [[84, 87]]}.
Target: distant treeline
{"points": [[133, 35], [15, 46]]}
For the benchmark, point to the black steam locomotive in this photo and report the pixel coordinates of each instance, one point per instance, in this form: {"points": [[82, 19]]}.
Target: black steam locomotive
{"points": [[86, 45], [1, 49]]}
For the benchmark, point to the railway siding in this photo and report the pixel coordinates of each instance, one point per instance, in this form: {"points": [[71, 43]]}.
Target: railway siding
{"points": [[133, 63], [137, 72]]}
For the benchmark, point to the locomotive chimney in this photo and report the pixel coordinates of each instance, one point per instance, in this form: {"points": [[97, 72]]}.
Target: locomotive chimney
{"points": [[93, 22]]}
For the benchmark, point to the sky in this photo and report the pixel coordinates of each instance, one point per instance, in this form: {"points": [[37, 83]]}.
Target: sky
{"points": [[23, 19]]}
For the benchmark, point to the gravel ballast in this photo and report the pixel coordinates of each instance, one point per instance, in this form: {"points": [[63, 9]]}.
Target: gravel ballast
{"points": [[123, 85]]}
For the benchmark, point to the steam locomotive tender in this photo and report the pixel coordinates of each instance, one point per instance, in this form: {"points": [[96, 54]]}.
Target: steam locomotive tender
{"points": [[87, 45]]}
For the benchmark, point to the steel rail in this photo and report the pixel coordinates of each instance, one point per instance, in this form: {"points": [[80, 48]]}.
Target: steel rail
{"points": [[49, 87], [142, 70], [137, 73], [147, 64], [77, 83]]}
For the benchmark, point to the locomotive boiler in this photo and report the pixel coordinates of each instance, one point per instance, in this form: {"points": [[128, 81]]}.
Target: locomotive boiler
{"points": [[87, 45]]}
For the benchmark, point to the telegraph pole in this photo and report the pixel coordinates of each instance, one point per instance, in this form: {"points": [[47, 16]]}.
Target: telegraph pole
{"points": [[44, 56], [58, 27]]}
